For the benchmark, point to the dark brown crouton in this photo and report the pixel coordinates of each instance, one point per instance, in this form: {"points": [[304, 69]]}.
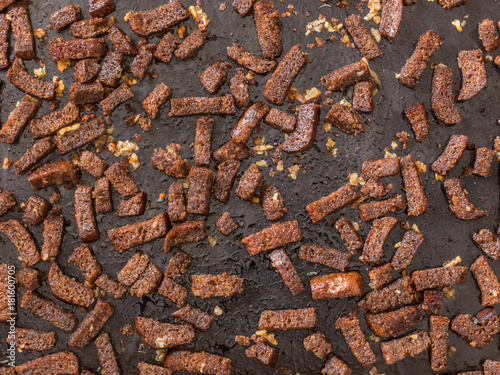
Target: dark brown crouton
{"points": [[197, 318], [438, 332], [238, 87], [166, 47], [491, 367], [284, 265], [280, 120], [52, 237], [268, 25], [337, 200], [223, 285], [200, 185], [318, 344], [170, 162], [33, 155], [380, 168], [91, 28], [356, 339], [390, 19], [115, 98], [443, 98], [86, 93], [176, 202], [91, 324], [134, 206], [304, 134], [24, 42], [87, 131], [55, 121], [373, 188], [129, 236], [28, 279], [488, 242], [178, 265], [173, 291], [411, 345], [428, 44], [190, 231], [361, 36], [272, 202], [111, 68], [142, 60], [20, 116], [55, 364], [337, 285], [198, 362], [36, 210], [49, 311], [190, 45], [459, 203], [285, 320], [84, 214], [214, 77], [160, 335], [134, 268], [487, 281], [417, 115], [249, 182], [77, 49], [488, 35], [120, 178], [407, 249], [102, 196], [147, 282], [107, 355], [61, 172], [380, 276], [121, 41], [264, 353], [7, 201], [157, 19], [438, 277], [67, 289], [29, 339], [363, 96], [375, 241], [393, 323], [447, 5], [243, 7], [4, 41], [474, 77], [348, 75], [88, 265], [226, 224], [398, 293], [415, 194], [377, 209], [86, 70], [451, 154], [22, 240], [223, 183], [101, 8], [249, 60], [349, 234], [64, 17], [219, 105], [147, 369], [92, 164], [248, 121], [275, 236], [283, 76], [110, 286], [335, 366], [477, 332], [203, 140], [325, 255], [484, 159], [155, 99], [345, 119], [230, 150]]}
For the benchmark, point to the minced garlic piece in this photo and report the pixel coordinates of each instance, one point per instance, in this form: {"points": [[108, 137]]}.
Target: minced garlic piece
{"points": [[62, 65], [452, 262], [69, 129], [6, 163], [40, 72], [389, 155], [376, 34], [438, 177], [261, 163], [312, 93], [293, 170], [267, 336], [356, 180], [39, 33], [458, 25], [421, 167], [218, 311], [212, 241], [327, 127], [346, 103], [129, 81], [125, 148], [394, 145], [200, 17], [60, 86], [134, 161], [279, 167], [181, 31]]}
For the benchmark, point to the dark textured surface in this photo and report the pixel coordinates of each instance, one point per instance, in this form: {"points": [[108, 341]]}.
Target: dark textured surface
{"points": [[446, 236]]}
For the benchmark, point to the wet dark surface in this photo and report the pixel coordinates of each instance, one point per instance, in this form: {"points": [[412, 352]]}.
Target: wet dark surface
{"points": [[446, 236]]}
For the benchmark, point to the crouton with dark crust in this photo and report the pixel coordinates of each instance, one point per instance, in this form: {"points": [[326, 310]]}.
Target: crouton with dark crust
{"points": [[334, 202], [284, 265], [451, 155], [356, 339], [460, 205], [190, 231], [22, 240], [432, 278], [223, 285], [285, 320], [443, 98], [337, 285], [20, 116], [36, 210], [275, 236], [88, 131], [158, 19], [64, 17], [268, 25], [249, 60]]}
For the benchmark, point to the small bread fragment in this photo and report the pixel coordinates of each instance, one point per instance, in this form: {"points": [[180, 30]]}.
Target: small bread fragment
{"points": [[160, 335], [356, 339]]}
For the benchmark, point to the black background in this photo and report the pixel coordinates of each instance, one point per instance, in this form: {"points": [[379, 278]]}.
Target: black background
{"points": [[446, 236]]}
